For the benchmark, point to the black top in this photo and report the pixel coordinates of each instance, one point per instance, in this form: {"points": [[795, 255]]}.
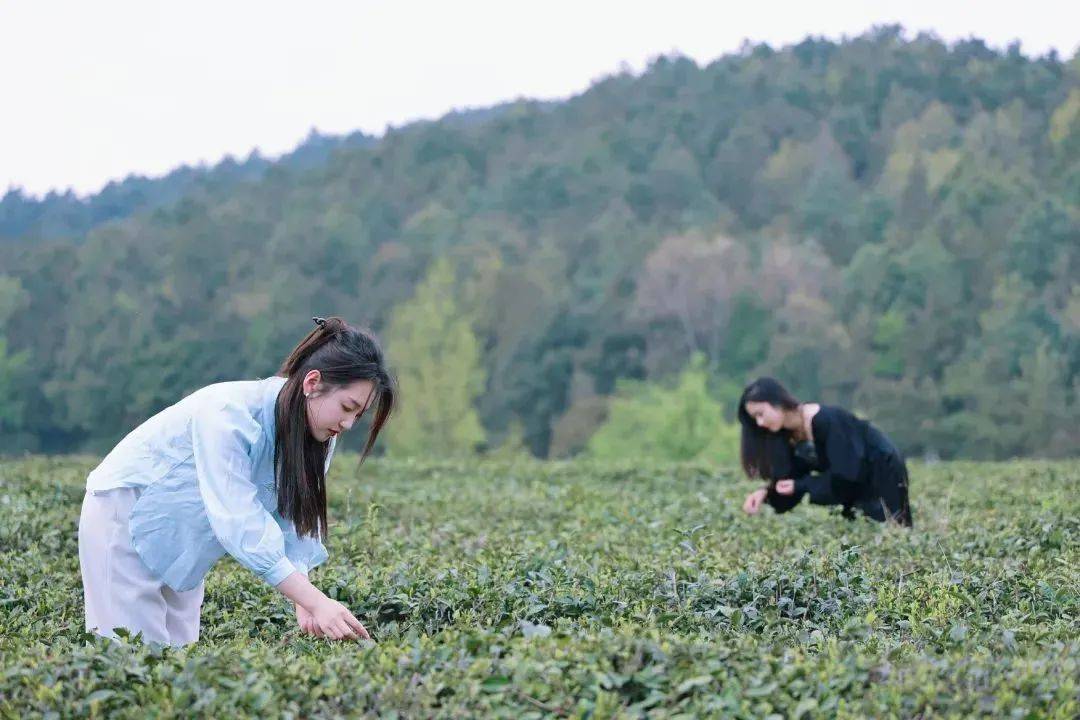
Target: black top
{"points": [[852, 464]]}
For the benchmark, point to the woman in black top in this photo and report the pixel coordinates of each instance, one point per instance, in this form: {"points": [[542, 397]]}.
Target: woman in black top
{"points": [[821, 451]]}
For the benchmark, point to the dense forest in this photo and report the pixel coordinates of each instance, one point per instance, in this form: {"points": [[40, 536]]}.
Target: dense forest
{"points": [[891, 224]]}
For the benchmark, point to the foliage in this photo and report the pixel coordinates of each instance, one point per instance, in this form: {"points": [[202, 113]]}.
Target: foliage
{"points": [[437, 358], [677, 423], [885, 223], [525, 590]]}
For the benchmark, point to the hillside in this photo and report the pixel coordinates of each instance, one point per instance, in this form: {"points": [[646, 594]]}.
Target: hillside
{"points": [[892, 225]]}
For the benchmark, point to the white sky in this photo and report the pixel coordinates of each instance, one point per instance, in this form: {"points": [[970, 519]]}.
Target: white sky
{"points": [[93, 91]]}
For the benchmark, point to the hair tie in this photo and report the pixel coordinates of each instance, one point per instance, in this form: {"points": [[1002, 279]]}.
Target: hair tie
{"points": [[321, 322]]}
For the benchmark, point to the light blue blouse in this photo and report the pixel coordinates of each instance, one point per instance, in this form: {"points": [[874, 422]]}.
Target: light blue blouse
{"points": [[206, 469]]}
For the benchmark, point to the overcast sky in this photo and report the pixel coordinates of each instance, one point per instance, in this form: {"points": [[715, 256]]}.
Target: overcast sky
{"points": [[94, 91]]}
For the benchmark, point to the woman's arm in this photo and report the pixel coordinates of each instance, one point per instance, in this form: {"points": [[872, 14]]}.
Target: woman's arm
{"points": [[781, 502], [784, 462], [820, 487], [221, 438], [222, 435], [838, 484], [332, 618]]}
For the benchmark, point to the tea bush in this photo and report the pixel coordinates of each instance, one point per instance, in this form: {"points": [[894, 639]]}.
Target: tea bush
{"points": [[522, 589]]}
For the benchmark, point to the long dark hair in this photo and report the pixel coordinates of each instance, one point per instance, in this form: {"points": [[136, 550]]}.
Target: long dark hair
{"points": [[342, 355], [765, 454]]}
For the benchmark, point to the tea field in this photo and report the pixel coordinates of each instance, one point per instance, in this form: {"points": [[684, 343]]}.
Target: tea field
{"points": [[527, 590]]}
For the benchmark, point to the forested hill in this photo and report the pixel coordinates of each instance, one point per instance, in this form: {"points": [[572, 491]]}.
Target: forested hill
{"points": [[889, 224], [65, 215]]}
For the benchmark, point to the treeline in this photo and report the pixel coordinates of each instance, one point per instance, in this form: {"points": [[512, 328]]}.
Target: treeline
{"points": [[889, 224]]}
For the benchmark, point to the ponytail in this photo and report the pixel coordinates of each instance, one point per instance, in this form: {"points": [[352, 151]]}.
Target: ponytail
{"points": [[324, 332], [342, 355]]}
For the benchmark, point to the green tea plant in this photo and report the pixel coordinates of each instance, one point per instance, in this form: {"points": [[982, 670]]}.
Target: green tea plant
{"points": [[522, 589]]}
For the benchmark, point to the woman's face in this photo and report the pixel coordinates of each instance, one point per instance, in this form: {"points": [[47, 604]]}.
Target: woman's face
{"points": [[766, 415], [333, 410]]}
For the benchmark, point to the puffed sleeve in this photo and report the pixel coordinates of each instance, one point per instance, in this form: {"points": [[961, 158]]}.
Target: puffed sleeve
{"points": [[222, 436], [304, 552]]}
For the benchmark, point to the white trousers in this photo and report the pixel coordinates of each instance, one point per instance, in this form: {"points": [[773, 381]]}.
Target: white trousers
{"points": [[119, 590]]}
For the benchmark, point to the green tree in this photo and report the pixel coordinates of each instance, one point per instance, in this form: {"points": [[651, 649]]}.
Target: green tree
{"points": [[681, 422], [888, 345], [13, 365], [437, 358], [871, 195]]}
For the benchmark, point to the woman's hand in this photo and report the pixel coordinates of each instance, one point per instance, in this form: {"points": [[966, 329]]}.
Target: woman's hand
{"points": [[785, 487], [306, 622], [328, 618], [754, 500], [333, 620]]}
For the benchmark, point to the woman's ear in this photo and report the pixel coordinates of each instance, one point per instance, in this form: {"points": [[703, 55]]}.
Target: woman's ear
{"points": [[311, 382]]}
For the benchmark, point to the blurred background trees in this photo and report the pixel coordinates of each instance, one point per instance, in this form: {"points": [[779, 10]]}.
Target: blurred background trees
{"points": [[893, 225]]}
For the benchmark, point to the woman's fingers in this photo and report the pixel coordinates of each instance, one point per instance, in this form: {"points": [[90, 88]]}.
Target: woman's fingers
{"points": [[329, 630], [753, 501], [751, 504], [338, 623], [358, 627], [345, 631]]}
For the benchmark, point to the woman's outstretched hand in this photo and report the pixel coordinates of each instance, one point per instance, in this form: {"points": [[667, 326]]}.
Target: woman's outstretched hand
{"points": [[754, 500], [319, 615], [333, 620], [785, 487]]}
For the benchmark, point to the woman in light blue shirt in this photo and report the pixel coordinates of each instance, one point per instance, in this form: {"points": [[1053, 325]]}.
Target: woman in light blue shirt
{"points": [[237, 468]]}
